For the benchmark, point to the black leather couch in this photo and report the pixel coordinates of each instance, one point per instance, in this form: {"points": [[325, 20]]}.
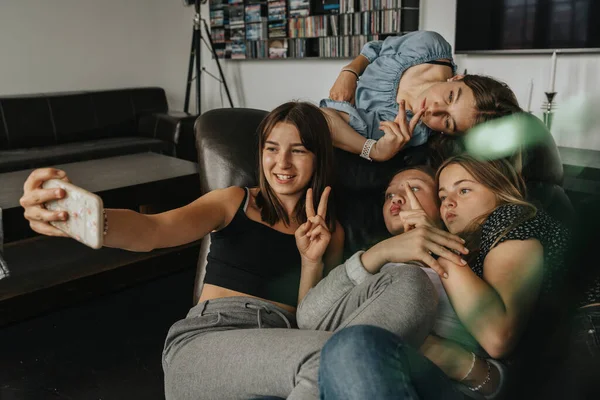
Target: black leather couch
{"points": [[226, 140], [4, 272], [44, 129]]}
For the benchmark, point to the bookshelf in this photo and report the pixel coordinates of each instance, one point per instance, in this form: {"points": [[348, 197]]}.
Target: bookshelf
{"points": [[279, 29]]}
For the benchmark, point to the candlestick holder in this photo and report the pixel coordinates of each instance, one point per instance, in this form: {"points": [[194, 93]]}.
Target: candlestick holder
{"points": [[549, 106]]}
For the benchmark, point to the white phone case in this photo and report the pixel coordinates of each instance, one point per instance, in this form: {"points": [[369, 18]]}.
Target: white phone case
{"points": [[86, 217]]}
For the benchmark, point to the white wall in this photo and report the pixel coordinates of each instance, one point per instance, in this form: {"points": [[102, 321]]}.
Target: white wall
{"points": [[63, 45]]}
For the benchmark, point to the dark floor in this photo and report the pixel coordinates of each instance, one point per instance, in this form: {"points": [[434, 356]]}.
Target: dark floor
{"points": [[106, 348]]}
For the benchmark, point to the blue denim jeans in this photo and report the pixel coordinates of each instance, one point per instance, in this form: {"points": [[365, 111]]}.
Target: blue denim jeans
{"points": [[582, 367], [366, 362]]}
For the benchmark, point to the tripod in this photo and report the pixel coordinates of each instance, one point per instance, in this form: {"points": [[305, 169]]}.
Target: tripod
{"points": [[196, 58]]}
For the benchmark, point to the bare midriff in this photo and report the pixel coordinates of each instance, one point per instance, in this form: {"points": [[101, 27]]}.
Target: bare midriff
{"points": [[211, 292]]}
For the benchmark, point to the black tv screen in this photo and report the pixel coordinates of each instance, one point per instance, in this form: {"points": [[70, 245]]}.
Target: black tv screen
{"points": [[527, 25]]}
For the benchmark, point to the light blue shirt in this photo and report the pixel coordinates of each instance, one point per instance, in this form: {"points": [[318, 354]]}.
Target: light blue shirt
{"points": [[377, 88]]}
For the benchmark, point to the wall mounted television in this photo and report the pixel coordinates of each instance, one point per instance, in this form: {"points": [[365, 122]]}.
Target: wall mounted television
{"points": [[527, 26]]}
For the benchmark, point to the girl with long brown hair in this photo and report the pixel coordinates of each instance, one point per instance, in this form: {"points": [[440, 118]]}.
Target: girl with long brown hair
{"points": [[403, 90], [253, 276]]}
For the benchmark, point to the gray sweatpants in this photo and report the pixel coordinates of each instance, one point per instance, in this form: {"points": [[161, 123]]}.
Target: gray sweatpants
{"points": [[240, 347]]}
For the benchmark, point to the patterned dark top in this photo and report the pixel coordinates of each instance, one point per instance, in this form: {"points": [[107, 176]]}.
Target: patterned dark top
{"points": [[555, 239], [551, 234]]}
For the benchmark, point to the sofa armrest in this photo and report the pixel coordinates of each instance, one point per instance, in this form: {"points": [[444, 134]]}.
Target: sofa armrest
{"points": [[4, 272], [176, 128], [3, 267]]}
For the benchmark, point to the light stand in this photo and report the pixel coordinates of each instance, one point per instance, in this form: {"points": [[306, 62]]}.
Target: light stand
{"points": [[196, 59]]}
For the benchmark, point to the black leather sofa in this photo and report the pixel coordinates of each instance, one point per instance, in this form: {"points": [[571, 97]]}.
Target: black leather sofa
{"points": [[44, 129], [226, 140]]}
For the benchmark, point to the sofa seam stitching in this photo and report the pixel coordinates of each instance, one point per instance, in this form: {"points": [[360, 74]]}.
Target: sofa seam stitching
{"points": [[52, 120], [5, 125]]}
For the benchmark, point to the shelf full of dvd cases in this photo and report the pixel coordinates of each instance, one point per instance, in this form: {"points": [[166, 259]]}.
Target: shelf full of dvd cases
{"points": [[263, 29]]}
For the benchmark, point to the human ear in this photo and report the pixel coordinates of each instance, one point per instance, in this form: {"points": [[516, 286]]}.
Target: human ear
{"points": [[455, 78]]}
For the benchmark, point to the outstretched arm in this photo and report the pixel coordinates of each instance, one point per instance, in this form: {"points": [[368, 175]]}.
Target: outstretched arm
{"points": [[128, 229], [133, 231]]}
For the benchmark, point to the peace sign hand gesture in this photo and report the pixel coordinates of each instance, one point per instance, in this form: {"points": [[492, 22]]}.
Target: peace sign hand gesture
{"points": [[396, 134], [416, 216], [313, 236]]}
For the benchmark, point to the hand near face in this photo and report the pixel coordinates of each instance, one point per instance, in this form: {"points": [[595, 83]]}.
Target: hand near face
{"points": [[396, 134], [416, 216], [420, 244], [34, 198], [427, 241], [313, 236]]}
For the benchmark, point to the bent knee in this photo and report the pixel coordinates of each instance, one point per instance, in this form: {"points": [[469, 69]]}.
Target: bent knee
{"points": [[305, 317], [412, 279], [352, 343], [414, 299]]}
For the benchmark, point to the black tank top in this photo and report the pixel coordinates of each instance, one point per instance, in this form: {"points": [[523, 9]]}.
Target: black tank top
{"points": [[250, 257]]}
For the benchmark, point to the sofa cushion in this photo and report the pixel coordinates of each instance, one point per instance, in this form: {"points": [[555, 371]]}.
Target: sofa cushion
{"points": [[35, 120], [74, 117], [3, 133], [114, 112], [148, 100], [28, 122], [12, 160]]}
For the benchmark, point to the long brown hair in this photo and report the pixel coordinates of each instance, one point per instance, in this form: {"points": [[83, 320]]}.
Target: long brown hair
{"points": [[502, 179], [493, 99], [316, 137]]}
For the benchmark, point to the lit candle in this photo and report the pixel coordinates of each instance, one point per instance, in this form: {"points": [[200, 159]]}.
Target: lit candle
{"points": [[530, 95], [553, 73]]}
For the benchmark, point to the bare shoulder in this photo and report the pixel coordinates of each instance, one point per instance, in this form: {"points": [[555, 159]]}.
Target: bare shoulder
{"points": [[225, 201], [514, 257], [230, 197], [516, 248], [230, 193]]}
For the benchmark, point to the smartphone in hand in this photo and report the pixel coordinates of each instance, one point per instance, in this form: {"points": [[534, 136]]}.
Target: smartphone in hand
{"points": [[86, 213]]}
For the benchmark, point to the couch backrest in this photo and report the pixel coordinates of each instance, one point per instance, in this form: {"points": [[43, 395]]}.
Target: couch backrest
{"points": [[226, 141], [4, 272], [54, 118]]}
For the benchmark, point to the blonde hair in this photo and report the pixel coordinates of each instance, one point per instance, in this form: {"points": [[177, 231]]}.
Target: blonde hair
{"points": [[504, 181]]}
